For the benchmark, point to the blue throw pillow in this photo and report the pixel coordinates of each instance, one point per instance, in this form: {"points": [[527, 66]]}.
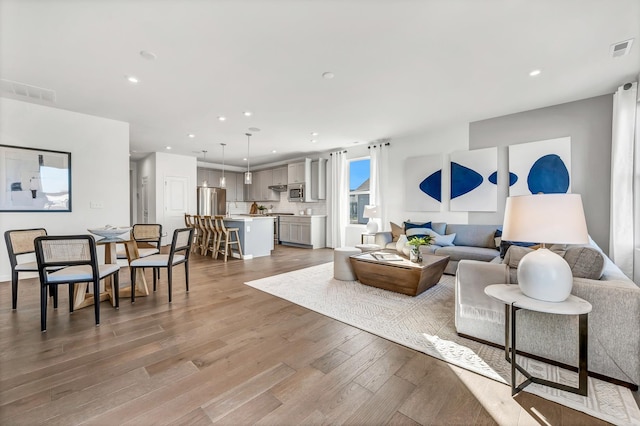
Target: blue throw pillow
{"points": [[410, 225], [504, 246], [417, 233]]}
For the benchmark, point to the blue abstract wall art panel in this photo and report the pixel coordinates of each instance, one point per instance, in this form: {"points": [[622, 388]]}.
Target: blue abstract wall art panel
{"points": [[423, 183], [548, 175], [541, 167], [432, 185], [463, 180], [471, 185]]}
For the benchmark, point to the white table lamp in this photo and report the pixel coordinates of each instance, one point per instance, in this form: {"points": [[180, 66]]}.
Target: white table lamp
{"points": [[545, 218], [371, 212]]}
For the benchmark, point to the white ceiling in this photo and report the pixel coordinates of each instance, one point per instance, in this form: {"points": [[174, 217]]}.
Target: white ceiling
{"points": [[401, 67]]}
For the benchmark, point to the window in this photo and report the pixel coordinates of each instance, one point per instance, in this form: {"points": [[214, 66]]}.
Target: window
{"points": [[359, 173]]}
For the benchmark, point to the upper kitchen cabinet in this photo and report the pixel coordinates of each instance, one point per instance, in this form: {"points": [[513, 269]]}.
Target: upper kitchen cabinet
{"points": [[299, 172], [280, 175], [319, 179]]}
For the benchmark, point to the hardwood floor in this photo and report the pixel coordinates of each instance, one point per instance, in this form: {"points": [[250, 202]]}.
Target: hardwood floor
{"points": [[225, 353]]}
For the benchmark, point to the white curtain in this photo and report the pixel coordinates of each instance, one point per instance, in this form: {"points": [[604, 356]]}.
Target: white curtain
{"points": [[379, 177], [338, 200], [625, 197]]}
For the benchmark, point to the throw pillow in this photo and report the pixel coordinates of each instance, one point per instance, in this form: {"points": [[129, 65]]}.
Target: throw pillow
{"points": [[497, 238], [396, 231], [504, 246], [515, 254], [409, 225], [442, 240], [417, 233], [401, 243], [585, 262]]}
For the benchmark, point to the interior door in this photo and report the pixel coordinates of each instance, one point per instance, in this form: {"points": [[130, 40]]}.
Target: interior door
{"points": [[175, 204]]}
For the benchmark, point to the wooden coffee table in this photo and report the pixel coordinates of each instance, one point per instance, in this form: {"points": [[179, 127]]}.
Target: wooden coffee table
{"points": [[401, 276]]}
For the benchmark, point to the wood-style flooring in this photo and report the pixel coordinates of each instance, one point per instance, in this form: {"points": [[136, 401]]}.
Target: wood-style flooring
{"points": [[226, 353]]}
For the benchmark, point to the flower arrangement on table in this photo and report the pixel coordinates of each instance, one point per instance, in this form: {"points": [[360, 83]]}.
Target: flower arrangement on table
{"points": [[415, 243]]}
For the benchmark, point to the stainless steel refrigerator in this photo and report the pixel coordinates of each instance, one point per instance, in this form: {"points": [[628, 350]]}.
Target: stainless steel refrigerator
{"points": [[212, 201]]}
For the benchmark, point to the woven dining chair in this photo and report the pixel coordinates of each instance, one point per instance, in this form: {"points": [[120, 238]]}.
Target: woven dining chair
{"points": [[20, 243], [76, 254], [179, 253]]}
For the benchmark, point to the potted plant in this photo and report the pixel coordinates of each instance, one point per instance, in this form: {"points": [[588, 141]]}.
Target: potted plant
{"points": [[262, 209], [415, 243]]}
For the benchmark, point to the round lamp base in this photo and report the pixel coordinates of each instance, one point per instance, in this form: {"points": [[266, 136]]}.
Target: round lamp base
{"points": [[372, 227], [544, 275]]}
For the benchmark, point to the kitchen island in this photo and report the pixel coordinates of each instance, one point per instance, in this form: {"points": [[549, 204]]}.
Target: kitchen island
{"points": [[255, 233]]}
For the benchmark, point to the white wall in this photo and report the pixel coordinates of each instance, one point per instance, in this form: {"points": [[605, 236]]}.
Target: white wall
{"points": [[99, 167], [173, 166]]}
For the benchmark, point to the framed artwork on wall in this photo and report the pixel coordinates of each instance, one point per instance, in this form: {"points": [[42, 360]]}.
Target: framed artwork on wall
{"points": [[423, 183], [474, 180], [540, 167], [34, 180]]}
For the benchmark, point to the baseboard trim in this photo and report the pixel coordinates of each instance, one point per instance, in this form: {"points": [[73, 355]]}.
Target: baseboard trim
{"points": [[598, 376]]}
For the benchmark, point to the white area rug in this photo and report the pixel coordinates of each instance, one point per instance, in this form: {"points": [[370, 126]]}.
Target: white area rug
{"points": [[426, 323]]}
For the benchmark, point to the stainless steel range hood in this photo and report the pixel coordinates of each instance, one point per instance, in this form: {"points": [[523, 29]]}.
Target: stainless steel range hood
{"points": [[278, 188]]}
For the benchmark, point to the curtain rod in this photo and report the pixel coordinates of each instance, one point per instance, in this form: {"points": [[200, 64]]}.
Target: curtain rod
{"points": [[344, 152], [382, 144]]}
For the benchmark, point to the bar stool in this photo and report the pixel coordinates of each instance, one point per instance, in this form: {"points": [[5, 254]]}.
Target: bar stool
{"points": [[213, 235], [225, 238], [204, 234], [190, 222]]}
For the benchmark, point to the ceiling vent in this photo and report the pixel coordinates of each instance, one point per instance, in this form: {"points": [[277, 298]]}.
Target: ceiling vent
{"points": [[621, 49], [28, 91]]}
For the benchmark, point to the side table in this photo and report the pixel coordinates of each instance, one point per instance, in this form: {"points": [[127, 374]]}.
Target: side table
{"points": [[365, 234], [513, 298]]}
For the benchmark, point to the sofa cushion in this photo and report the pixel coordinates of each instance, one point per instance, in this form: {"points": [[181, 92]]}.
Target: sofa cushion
{"points": [[473, 235], [399, 245], [504, 246], [585, 262], [456, 253], [515, 254], [396, 231], [417, 233], [439, 227]]}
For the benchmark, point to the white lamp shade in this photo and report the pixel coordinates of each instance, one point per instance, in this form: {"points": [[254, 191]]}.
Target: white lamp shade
{"points": [[248, 178], [370, 211], [223, 182], [545, 218]]}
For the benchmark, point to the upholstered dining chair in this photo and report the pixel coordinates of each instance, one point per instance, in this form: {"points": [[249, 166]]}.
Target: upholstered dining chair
{"points": [[148, 237], [76, 254], [179, 253], [19, 246]]}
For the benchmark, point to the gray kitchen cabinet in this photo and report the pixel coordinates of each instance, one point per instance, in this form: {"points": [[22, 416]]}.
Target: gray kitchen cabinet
{"points": [[303, 231], [280, 176]]}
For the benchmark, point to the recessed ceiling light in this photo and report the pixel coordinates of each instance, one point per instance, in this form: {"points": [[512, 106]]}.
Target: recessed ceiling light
{"points": [[254, 129], [328, 75], [313, 141], [150, 56], [132, 79], [167, 147], [274, 151], [247, 113], [535, 73], [244, 159], [191, 135], [355, 141], [221, 118], [314, 133]]}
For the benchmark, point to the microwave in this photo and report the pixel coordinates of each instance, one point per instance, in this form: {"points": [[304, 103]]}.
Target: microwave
{"points": [[296, 192]]}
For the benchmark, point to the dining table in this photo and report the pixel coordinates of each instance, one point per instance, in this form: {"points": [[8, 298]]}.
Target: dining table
{"points": [[83, 298]]}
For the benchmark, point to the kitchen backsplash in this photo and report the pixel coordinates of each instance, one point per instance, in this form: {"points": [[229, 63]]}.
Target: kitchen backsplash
{"points": [[282, 206]]}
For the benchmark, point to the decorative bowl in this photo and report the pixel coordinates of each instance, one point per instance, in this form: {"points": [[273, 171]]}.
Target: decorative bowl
{"points": [[110, 231]]}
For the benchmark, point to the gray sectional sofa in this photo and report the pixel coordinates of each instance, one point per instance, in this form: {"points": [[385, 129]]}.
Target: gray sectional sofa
{"points": [[614, 322], [473, 242]]}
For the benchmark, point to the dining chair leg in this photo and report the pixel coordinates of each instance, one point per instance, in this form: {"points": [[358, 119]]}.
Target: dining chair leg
{"points": [[186, 274], [116, 289], [169, 275], [55, 297], [96, 300], [71, 291], [14, 290], [133, 284], [155, 280], [43, 308]]}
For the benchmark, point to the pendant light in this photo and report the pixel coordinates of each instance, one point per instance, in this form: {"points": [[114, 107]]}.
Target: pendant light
{"points": [[204, 159], [223, 180], [247, 175]]}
